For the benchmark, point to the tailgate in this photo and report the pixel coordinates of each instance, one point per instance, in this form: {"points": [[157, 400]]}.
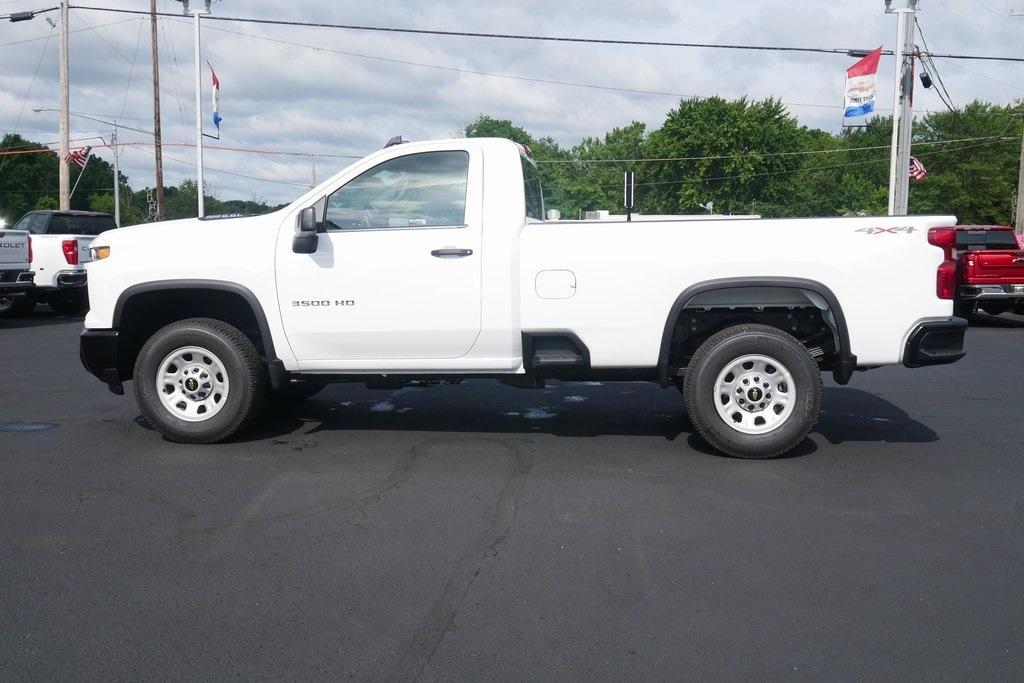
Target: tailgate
{"points": [[13, 248], [995, 267]]}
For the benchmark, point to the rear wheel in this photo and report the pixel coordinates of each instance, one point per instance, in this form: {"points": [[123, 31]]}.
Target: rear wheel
{"points": [[995, 308], [199, 381], [16, 305], [753, 391], [74, 301]]}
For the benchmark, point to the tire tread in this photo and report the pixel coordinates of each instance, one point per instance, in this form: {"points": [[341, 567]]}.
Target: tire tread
{"points": [[690, 390]]}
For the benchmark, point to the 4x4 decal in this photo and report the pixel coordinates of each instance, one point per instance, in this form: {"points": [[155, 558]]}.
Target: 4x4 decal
{"points": [[884, 231]]}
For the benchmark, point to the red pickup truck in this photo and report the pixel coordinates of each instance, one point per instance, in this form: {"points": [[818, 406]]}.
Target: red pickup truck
{"points": [[990, 270]]}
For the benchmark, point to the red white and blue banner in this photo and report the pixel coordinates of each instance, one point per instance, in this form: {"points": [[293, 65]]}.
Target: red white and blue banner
{"points": [[216, 97], [861, 79]]}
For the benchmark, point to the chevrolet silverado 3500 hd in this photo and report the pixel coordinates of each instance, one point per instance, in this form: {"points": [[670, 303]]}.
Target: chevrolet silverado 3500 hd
{"points": [[432, 261]]}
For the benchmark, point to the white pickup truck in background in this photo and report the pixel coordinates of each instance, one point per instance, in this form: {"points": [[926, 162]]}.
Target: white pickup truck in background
{"points": [[432, 261], [15, 270], [60, 246]]}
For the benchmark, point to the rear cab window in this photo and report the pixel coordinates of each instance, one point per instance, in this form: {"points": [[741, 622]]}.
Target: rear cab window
{"points": [[79, 225], [982, 240], [532, 189]]}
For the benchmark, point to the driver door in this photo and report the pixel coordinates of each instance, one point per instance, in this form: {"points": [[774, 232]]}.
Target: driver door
{"points": [[396, 273]]}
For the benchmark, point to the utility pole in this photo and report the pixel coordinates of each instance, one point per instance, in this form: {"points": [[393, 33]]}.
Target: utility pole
{"points": [[65, 119], [903, 107], [312, 175], [1019, 224], [157, 150], [117, 179]]}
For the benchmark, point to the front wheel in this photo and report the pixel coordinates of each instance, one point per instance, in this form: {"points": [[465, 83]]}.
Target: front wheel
{"points": [[199, 381], [753, 391]]}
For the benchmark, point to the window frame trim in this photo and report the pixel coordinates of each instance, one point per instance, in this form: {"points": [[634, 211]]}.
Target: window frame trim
{"points": [[455, 226]]}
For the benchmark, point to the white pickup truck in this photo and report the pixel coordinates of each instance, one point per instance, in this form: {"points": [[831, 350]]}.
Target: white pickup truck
{"points": [[60, 246], [432, 261], [15, 273]]}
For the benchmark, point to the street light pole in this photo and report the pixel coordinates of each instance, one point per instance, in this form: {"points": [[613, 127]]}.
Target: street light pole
{"points": [[196, 13], [117, 178], [903, 108], [64, 176]]}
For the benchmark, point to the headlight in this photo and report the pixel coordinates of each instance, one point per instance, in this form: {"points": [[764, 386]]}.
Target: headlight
{"points": [[99, 253]]}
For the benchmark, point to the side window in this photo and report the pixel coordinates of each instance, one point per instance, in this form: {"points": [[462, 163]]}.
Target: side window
{"points": [[414, 191]]}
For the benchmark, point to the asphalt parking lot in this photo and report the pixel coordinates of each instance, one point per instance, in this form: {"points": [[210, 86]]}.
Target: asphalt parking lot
{"points": [[485, 532]]}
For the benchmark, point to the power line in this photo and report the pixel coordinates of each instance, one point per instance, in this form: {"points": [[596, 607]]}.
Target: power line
{"points": [[756, 154], [543, 38], [475, 72], [77, 30], [28, 93]]}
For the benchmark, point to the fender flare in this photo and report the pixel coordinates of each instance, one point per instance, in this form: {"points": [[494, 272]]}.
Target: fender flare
{"points": [[219, 285], [847, 362]]}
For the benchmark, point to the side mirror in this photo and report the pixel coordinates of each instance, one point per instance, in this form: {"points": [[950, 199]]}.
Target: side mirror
{"points": [[306, 239]]}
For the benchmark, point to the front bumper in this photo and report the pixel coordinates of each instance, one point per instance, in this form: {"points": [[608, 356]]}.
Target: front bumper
{"points": [[98, 351], [992, 292], [935, 342]]}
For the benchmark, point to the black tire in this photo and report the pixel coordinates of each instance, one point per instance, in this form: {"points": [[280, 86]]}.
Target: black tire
{"points": [[245, 370], [73, 301], [296, 392], [15, 306], [716, 354]]}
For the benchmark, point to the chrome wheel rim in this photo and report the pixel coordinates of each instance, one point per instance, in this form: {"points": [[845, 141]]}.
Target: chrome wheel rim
{"points": [[755, 394], [192, 383]]}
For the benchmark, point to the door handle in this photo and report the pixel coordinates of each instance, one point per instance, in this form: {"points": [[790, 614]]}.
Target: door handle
{"points": [[450, 252]]}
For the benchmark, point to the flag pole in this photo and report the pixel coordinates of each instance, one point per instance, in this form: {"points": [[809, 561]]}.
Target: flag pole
{"points": [[79, 178]]}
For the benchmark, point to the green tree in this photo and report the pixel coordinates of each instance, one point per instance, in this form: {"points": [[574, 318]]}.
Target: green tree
{"points": [[731, 155]]}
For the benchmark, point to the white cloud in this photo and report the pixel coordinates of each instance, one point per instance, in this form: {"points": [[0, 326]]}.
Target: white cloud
{"points": [[285, 97]]}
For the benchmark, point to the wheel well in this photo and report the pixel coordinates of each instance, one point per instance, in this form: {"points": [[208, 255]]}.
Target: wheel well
{"points": [[141, 314], [810, 314]]}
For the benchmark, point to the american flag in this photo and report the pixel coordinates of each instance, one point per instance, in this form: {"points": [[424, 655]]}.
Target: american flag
{"points": [[79, 156], [917, 169]]}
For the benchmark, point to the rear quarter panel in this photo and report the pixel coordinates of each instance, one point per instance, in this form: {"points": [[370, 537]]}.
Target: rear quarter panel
{"points": [[629, 275], [48, 256]]}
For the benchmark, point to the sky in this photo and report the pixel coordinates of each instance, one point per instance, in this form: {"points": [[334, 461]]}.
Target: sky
{"points": [[341, 92]]}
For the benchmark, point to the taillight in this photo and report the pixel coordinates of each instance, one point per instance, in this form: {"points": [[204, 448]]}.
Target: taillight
{"points": [[944, 238], [70, 248], [30, 249], [945, 278]]}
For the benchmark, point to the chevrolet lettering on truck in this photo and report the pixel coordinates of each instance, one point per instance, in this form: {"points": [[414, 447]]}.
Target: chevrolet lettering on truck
{"points": [[432, 261]]}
